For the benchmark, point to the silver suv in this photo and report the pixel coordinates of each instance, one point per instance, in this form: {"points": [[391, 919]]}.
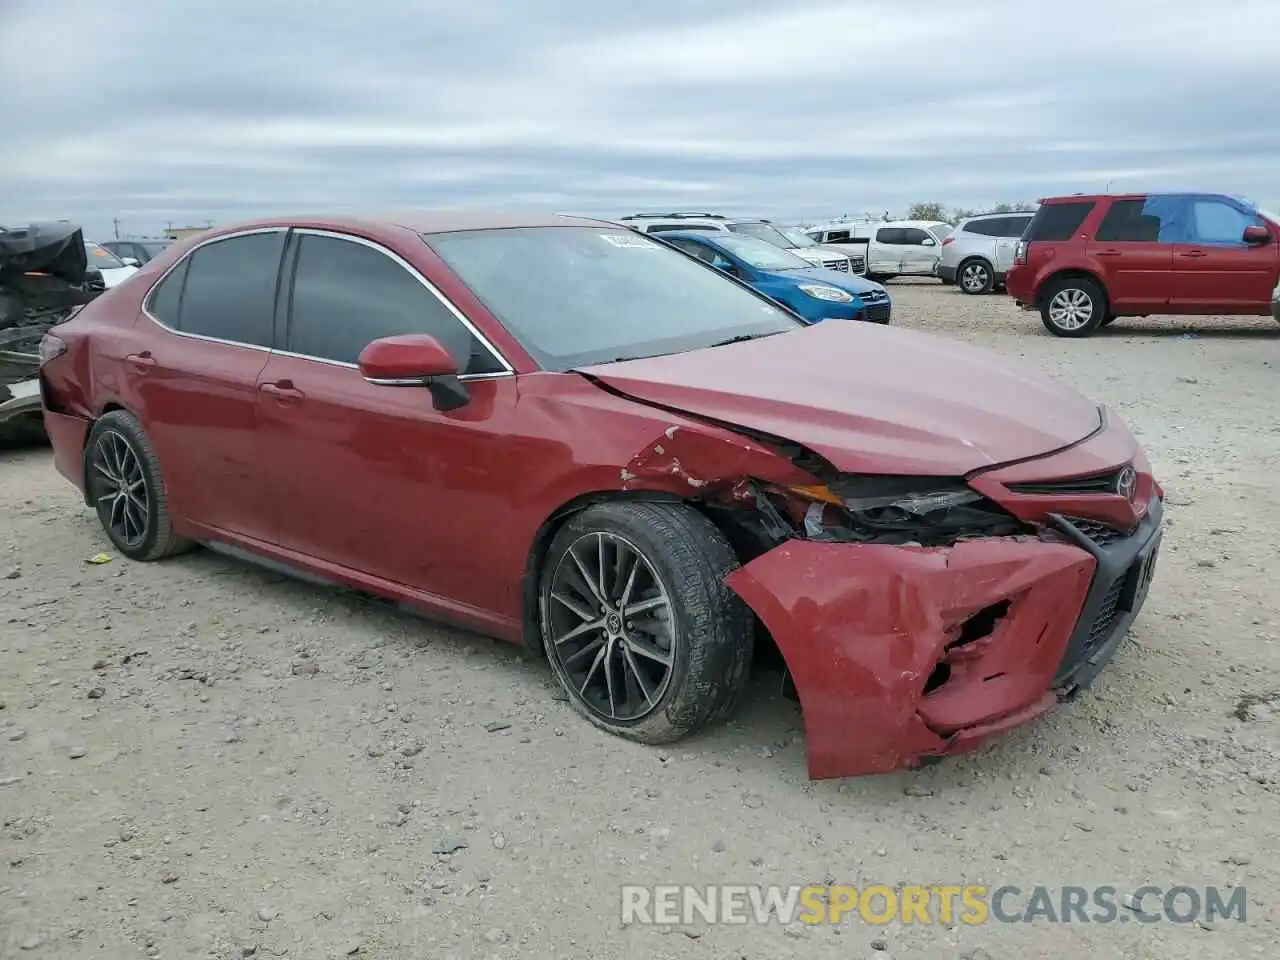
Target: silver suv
{"points": [[980, 251]]}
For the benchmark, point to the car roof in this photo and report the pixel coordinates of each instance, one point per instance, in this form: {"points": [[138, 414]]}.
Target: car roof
{"points": [[1144, 195], [418, 221]]}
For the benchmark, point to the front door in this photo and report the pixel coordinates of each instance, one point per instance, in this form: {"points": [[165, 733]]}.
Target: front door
{"points": [[1215, 270], [373, 478], [1133, 249], [196, 384], [920, 252]]}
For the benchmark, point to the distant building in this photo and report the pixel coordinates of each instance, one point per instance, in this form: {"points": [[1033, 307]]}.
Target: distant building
{"points": [[181, 233]]}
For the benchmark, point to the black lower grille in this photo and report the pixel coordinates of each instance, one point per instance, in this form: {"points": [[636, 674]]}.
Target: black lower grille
{"points": [[1100, 533], [878, 312], [1107, 613]]}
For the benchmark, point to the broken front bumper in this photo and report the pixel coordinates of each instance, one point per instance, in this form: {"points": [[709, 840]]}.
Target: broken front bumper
{"points": [[903, 653]]}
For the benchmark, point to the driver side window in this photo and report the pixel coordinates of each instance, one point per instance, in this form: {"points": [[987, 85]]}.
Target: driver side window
{"points": [[1213, 221], [347, 294]]}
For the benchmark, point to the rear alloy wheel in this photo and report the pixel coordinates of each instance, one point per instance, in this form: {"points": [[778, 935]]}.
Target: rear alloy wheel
{"points": [[124, 485], [639, 627], [1073, 307], [975, 277]]}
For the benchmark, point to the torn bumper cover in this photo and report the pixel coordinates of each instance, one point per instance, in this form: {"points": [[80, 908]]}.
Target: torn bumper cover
{"points": [[902, 653]]}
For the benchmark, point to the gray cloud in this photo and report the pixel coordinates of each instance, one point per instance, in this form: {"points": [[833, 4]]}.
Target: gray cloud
{"points": [[192, 110]]}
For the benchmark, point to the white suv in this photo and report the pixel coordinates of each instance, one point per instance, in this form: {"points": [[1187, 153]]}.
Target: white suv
{"points": [[819, 256]]}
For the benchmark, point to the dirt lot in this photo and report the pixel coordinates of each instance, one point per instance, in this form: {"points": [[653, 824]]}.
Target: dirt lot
{"points": [[200, 759]]}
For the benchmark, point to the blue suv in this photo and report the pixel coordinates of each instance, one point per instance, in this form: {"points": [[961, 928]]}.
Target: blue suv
{"points": [[813, 292]]}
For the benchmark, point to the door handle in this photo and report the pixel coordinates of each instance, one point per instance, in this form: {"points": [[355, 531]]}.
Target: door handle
{"points": [[283, 390], [1193, 254], [1108, 253], [142, 362]]}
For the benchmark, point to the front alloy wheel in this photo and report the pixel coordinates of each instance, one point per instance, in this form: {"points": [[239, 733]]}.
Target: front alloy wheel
{"points": [[611, 627], [637, 622]]}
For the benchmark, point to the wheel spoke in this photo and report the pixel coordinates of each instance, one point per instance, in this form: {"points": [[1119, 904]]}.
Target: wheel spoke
{"points": [[580, 630], [589, 647], [595, 664], [602, 565], [629, 659], [648, 652], [587, 578], [580, 612], [609, 650], [642, 606]]}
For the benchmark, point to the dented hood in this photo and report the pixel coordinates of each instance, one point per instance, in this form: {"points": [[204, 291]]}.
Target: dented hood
{"points": [[868, 398]]}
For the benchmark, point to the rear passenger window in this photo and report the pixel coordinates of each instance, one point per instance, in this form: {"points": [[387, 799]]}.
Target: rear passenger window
{"points": [[1128, 221], [837, 236], [230, 289], [1058, 221], [890, 235], [166, 298], [347, 294]]}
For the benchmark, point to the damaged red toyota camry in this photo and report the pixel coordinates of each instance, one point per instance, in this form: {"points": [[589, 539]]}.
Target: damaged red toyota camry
{"points": [[571, 436]]}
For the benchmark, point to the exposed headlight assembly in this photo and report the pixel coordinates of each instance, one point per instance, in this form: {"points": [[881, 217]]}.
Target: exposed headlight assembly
{"points": [[821, 292], [887, 509]]}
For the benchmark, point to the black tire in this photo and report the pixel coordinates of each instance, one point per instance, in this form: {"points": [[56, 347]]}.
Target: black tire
{"points": [[1064, 300], [713, 635], [118, 446], [975, 277], [1109, 319]]}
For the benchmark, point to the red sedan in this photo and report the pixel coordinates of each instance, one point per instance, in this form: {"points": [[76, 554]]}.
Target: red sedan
{"points": [[571, 436]]}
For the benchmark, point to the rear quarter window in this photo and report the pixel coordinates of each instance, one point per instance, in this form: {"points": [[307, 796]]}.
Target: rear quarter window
{"points": [[1058, 221]]}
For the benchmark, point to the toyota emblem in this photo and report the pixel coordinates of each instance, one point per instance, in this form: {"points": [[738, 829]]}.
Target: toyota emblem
{"points": [[1127, 483]]}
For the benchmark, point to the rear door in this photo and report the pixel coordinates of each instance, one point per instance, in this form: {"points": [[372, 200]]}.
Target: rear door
{"points": [[1133, 249], [198, 379], [1215, 270], [373, 478]]}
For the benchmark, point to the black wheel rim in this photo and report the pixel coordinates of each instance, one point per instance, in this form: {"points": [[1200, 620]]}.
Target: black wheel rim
{"points": [[611, 625], [118, 487]]}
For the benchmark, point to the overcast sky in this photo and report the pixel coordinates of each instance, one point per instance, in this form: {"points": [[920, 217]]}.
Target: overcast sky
{"points": [[196, 110]]}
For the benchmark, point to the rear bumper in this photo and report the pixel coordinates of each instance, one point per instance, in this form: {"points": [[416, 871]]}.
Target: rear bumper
{"points": [[1019, 284], [904, 653], [1275, 308], [947, 274], [68, 433]]}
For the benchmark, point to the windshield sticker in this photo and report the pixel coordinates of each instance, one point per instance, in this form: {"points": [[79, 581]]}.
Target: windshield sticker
{"points": [[628, 240]]}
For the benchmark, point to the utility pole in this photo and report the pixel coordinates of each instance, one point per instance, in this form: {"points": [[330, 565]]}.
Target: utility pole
{"points": [[115, 226]]}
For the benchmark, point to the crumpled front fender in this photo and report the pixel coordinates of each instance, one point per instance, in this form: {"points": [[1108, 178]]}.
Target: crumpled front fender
{"points": [[863, 628]]}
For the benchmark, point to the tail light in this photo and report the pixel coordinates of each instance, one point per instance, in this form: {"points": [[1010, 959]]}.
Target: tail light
{"points": [[51, 348], [948, 240], [1020, 252]]}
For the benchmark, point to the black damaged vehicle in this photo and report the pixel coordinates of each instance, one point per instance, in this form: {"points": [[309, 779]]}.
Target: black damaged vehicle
{"points": [[44, 279]]}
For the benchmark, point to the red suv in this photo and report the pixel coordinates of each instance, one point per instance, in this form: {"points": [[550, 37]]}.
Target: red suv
{"points": [[1083, 261]]}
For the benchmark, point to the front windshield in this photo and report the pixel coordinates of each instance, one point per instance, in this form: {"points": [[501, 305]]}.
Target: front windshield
{"points": [[575, 296], [761, 255], [797, 237], [762, 231], [100, 258]]}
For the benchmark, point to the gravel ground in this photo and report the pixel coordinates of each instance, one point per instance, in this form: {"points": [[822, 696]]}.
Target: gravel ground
{"points": [[201, 759]]}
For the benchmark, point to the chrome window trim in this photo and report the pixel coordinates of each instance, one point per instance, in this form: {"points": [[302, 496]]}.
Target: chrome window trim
{"points": [[507, 371]]}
